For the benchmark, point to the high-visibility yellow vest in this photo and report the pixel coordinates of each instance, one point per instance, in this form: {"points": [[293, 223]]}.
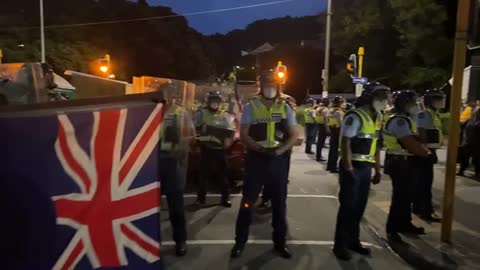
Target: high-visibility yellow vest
{"points": [[170, 130], [332, 120], [392, 144], [319, 118], [308, 117], [364, 145], [269, 126], [434, 136], [214, 128]]}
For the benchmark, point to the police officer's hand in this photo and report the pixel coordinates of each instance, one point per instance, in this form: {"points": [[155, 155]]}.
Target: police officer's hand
{"points": [[279, 152], [377, 178]]}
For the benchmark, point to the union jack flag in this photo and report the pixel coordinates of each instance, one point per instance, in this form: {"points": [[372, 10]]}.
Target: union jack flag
{"points": [[100, 175]]}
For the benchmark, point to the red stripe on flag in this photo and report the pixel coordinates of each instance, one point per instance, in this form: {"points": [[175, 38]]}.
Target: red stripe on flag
{"points": [[146, 246], [153, 127], [76, 252], [67, 154]]}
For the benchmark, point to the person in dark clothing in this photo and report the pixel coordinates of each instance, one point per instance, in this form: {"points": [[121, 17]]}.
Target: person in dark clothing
{"points": [[470, 148]]}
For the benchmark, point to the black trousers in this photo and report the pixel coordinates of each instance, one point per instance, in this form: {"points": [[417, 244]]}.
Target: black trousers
{"points": [[404, 178], [171, 173], [213, 167], [267, 193], [353, 197], [422, 202], [466, 154], [270, 172], [310, 132], [322, 136], [332, 163]]}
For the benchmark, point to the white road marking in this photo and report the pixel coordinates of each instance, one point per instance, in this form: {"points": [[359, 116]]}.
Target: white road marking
{"points": [[264, 242], [289, 196]]}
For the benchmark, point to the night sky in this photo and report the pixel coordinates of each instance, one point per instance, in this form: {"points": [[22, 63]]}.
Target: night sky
{"points": [[225, 21]]}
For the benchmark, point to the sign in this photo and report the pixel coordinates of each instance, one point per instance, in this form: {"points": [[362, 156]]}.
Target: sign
{"points": [[83, 186], [360, 80], [358, 90]]}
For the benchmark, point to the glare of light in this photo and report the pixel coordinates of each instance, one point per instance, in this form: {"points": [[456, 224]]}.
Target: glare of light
{"points": [[103, 69], [281, 75], [111, 76]]}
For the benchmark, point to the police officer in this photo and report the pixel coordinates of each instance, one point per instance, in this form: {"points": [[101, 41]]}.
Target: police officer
{"points": [[321, 118], [176, 133], [268, 130], [216, 130], [335, 123], [430, 129], [359, 154], [310, 126], [404, 150]]}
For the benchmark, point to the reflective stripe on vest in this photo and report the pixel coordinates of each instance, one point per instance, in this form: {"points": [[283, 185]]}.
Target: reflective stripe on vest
{"points": [[319, 118], [438, 131], [332, 120], [170, 130], [307, 116], [265, 130], [364, 145], [392, 144]]}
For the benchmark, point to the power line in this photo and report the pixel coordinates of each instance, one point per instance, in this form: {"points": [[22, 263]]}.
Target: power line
{"points": [[150, 18]]}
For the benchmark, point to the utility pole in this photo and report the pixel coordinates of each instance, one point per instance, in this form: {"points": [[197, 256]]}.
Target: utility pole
{"points": [[325, 74], [460, 51], [42, 32]]}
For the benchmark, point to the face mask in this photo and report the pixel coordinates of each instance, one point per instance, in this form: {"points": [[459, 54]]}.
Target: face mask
{"points": [[379, 105], [440, 104], [214, 105], [269, 93], [413, 110]]}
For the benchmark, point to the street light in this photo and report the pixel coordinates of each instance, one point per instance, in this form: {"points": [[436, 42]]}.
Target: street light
{"points": [[42, 32]]}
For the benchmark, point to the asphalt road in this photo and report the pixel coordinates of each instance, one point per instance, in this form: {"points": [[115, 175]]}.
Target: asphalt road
{"points": [[312, 210]]}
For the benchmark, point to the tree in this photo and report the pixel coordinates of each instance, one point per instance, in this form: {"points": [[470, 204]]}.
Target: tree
{"points": [[425, 55]]}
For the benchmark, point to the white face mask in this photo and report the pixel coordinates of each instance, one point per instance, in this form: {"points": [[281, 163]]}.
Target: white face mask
{"points": [[379, 105], [269, 93], [413, 110], [439, 104], [214, 105]]}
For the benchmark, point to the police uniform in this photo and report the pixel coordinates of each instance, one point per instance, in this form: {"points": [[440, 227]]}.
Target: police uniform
{"points": [[214, 128], [335, 123], [402, 167], [431, 122], [172, 169], [310, 128], [269, 128], [321, 114], [363, 132]]}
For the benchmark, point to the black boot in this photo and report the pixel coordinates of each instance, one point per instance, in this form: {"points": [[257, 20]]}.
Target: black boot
{"points": [[237, 250], [226, 203], [283, 251], [181, 249], [342, 254], [360, 249]]}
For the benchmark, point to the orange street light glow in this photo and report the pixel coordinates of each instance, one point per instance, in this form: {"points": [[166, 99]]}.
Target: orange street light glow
{"points": [[104, 69], [281, 74]]}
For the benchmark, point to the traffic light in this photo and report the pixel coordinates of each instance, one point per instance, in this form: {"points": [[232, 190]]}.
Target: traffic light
{"points": [[352, 65], [281, 73]]}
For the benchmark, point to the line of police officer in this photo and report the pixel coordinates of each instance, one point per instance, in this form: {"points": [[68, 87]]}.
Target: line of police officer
{"points": [[322, 121], [410, 155], [268, 131]]}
